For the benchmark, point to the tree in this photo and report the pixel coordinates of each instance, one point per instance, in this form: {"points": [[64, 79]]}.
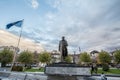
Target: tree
{"points": [[6, 56], [45, 57], [104, 57], [85, 57], [117, 56], [26, 57], [35, 58], [68, 59]]}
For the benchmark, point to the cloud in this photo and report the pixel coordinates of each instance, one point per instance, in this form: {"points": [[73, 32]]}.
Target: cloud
{"points": [[89, 24], [33, 3], [54, 3]]}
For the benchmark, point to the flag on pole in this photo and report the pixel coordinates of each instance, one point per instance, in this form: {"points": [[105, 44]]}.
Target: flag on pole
{"points": [[17, 23]]}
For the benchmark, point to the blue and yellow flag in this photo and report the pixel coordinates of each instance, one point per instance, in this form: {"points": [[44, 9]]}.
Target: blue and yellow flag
{"points": [[17, 23]]}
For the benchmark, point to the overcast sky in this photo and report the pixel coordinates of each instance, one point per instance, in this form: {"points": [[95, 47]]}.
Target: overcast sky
{"points": [[88, 24]]}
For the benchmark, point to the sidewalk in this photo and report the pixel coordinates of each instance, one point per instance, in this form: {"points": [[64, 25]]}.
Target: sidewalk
{"points": [[108, 75], [108, 78], [7, 75]]}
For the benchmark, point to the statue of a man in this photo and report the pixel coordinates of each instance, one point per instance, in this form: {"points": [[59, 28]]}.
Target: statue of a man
{"points": [[63, 48]]}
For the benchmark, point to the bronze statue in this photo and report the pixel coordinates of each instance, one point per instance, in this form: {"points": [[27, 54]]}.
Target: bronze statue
{"points": [[63, 48]]}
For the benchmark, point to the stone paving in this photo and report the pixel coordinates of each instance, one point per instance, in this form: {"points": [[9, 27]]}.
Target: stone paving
{"points": [[23, 76], [108, 78], [42, 76]]}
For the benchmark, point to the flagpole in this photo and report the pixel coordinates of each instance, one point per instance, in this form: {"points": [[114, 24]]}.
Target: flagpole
{"points": [[19, 37], [16, 49]]}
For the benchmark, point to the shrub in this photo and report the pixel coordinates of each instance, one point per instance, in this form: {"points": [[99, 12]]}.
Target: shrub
{"points": [[68, 59], [105, 67], [17, 68]]}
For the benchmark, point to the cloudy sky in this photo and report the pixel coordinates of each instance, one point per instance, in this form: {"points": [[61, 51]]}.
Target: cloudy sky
{"points": [[88, 24]]}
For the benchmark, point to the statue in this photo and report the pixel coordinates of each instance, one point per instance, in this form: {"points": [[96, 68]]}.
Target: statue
{"points": [[63, 48]]}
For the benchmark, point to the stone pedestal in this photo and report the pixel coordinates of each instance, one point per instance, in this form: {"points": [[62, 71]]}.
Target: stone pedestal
{"points": [[66, 71]]}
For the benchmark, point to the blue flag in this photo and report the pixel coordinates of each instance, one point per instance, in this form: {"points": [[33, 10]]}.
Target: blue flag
{"points": [[17, 23]]}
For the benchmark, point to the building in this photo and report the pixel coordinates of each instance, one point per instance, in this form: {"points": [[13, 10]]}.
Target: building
{"points": [[56, 56], [94, 55]]}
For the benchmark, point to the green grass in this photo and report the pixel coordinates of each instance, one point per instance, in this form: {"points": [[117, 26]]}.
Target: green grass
{"points": [[34, 70], [111, 71]]}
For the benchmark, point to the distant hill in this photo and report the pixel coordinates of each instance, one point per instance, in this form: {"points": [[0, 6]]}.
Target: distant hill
{"points": [[9, 39]]}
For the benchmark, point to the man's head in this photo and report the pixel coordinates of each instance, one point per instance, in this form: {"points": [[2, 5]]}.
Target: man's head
{"points": [[102, 72]]}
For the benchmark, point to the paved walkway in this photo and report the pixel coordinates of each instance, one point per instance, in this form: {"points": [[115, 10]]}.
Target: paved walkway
{"points": [[42, 76], [108, 78]]}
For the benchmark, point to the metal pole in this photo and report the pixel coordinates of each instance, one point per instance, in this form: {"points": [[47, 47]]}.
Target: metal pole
{"points": [[16, 49]]}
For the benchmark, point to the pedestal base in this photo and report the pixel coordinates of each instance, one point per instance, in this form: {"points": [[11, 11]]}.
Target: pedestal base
{"points": [[56, 77], [62, 78], [66, 71]]}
